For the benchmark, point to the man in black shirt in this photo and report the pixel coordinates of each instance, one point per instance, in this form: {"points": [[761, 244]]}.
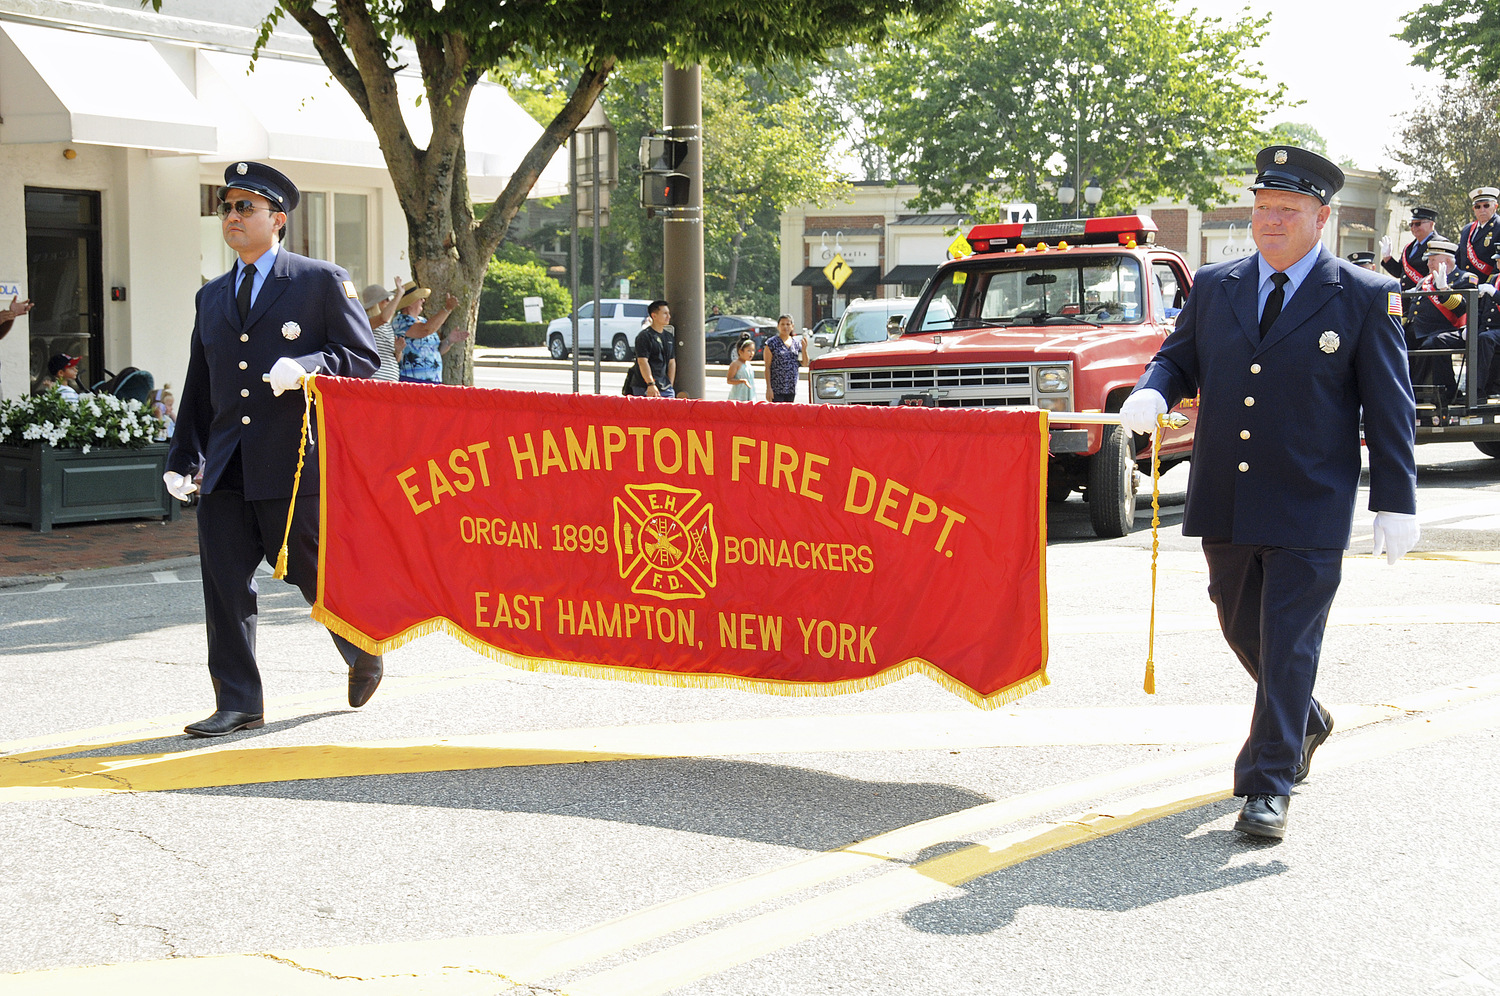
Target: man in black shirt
{"points": [[655, 356]]}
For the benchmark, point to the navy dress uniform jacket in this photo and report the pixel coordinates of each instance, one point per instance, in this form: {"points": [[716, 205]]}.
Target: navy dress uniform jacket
{"points": [[225, 403], [1283, 469]]}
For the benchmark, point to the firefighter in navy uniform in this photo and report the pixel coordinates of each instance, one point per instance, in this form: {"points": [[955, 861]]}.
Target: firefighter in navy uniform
{"points": [[260, 327], [1439, 320], [1479, 242], [1410, 269], [1292, 352], [1364, 258]]}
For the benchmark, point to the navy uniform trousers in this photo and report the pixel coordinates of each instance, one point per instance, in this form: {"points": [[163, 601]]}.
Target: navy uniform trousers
{"points": [[234, 535]]}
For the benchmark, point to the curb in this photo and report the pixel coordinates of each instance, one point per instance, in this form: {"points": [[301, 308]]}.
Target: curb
{"points": [[89, 573]]}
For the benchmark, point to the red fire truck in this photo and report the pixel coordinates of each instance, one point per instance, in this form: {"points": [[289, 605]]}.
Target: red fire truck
{"points": [[1061, 315]]}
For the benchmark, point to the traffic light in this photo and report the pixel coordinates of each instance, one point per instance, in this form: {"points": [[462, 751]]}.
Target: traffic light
{"points": [[661, 185]]}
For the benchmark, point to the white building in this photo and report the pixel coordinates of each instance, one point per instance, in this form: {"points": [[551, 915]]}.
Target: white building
{"points": [[115, 128], [892, 250]]}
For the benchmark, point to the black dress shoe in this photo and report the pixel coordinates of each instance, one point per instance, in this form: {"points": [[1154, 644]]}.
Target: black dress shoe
{"points": [[224, 723], [1264, 816], [1310, 744], [364, 677]]}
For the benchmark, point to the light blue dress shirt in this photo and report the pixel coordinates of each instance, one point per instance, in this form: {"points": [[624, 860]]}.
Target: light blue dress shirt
{"points": [[262, 271], [1296, 273]]}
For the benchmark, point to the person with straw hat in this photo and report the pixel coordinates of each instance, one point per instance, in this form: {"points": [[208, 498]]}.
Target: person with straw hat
{"points": [[422, 360]]}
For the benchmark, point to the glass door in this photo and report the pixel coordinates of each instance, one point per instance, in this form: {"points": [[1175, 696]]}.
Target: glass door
{"points": [[64, 276]]}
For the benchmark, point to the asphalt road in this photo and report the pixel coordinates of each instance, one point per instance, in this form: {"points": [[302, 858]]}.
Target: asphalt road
{"points": [[889, 842]]}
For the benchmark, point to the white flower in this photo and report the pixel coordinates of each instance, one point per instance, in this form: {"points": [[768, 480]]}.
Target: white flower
{"points": [[85, 447], [124, 436]]}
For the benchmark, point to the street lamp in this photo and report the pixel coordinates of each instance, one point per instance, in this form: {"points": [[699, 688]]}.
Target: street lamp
{"points": [[1093, 193], [1065, 191]]}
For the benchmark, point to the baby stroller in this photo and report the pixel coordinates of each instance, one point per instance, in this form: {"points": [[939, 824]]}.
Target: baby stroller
{"points": [[129, 384]]}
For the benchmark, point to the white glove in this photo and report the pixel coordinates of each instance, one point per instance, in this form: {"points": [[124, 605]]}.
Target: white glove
{"points": [[1139, 412], [1487, 289], [178, 485], [286, 375], [1440, 279], [1385, 247], [1395, 534]]}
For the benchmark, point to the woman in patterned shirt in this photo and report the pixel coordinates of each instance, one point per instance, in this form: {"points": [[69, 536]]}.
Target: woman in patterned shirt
{"points": [[784, 357], [422, 362]]}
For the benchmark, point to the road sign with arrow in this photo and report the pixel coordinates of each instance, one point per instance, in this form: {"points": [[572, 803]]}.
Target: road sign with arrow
{"points": [[837, 271]]}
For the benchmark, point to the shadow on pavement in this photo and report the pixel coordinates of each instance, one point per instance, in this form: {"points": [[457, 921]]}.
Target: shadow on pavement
{"points": [[764, 803], [182, 743], [1124, 872]]}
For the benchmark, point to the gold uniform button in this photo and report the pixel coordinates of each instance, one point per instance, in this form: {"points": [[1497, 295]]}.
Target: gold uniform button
{"points": [[245, 419], [244, 337], [1249, 402], [1255, 368], [244, 392], [1244, 433], [243, 364], [1244, 467]]}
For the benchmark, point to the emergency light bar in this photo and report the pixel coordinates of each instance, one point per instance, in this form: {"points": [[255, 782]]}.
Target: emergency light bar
{"points": [[1121, 230]]}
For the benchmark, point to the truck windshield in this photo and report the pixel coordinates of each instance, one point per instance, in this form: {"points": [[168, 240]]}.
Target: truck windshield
{"points": [[1032, 291]]}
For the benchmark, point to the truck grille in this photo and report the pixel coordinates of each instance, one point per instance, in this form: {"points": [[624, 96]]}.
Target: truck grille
{"points": [[922, 378]]}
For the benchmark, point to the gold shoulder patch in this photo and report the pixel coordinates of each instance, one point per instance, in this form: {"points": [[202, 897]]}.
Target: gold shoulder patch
{"points": [[349, 289]]}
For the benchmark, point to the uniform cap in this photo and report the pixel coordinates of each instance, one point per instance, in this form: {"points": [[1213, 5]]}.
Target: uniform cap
{"points": [[1423, 214], [60, 362], [1361, 258], [1287, 167], [1485, 194], [258, 178], [1440, 247]]}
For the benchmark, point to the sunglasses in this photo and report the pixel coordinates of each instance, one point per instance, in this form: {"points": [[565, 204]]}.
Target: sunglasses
{"points": [[242, 208]]}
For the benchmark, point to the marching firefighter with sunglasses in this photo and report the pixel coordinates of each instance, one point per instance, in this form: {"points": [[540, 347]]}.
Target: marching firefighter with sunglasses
{"points": [[272, 318]]}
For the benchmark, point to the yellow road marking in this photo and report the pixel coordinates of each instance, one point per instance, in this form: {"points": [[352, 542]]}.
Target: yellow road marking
{"points": [[727, 947]]}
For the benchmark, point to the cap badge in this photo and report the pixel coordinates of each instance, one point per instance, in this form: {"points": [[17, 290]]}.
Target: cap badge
{"points": [[1280, 157], [242, 169], [1328, 342], [292, 330]]}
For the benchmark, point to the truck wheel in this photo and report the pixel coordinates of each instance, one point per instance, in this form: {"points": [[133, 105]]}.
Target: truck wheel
{"points": [[1489, 447], [620, 349], [1112, 485], [556, 347]]}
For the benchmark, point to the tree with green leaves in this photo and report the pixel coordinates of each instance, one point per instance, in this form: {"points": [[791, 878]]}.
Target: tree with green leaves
{"points": [[1455, 37], [456, 43], [1447, 148], [990, 107]]}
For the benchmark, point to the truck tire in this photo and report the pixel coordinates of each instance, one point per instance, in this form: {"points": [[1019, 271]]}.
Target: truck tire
{"points": [[620, 349], [557, 348], [1112, 485], [1489, 447]]}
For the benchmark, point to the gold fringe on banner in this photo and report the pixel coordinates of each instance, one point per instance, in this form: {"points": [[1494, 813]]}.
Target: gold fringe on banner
{"points": [[683, 679]]}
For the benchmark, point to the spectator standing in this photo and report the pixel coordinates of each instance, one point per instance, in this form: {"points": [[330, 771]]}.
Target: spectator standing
{"points": [[785, 355], [655, 355], [380, 308], [422, 359], [741, 375]]}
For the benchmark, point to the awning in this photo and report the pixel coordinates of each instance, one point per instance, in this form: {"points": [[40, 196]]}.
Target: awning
{"points": [[812, 276], [73, 86], [295, 112], [908, 274]]}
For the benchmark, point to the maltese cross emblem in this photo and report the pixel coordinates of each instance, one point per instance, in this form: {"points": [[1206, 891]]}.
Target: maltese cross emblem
{"points": [[665, 541]]}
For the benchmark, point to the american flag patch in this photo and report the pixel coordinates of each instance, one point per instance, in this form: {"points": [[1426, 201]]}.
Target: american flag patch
{"points": [[1393, 304]]}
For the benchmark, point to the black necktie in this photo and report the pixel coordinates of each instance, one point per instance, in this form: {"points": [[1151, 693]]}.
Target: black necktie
{"points": [[1273, 303], [247, 278]]}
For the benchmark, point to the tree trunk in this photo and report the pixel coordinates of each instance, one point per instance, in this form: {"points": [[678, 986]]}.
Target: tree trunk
{"points": [[734, 266]]}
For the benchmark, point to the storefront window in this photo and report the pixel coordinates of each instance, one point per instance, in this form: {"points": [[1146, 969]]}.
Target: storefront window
{"points": [[351, 236], [307, 227]]}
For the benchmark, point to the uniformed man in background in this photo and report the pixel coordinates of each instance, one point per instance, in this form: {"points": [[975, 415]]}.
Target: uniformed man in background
{"points": [[1286, 349], [1410, 269], [1364, 258], [1440, 321], [1479, 241], [260, 327]]}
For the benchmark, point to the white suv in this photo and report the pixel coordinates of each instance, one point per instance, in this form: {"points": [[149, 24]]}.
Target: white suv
{"points": [[866, 321], [619, 323]]}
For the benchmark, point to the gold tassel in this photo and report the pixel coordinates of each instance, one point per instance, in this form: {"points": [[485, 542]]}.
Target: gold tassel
{"points": [[281, 567], [1150, 682]]}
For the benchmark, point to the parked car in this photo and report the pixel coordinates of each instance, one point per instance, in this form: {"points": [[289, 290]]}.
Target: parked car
{"points": [[722, 332], [867, 320], [619, 323]]}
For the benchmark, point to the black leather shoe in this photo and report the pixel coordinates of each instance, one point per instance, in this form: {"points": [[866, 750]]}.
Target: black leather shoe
{"points": [[223, 723], [364, 677], [1310, 744], [1264, 816]]}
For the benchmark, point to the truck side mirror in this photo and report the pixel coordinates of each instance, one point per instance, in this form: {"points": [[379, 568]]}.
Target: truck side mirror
{"points": [[895, 326], [821, 340]]}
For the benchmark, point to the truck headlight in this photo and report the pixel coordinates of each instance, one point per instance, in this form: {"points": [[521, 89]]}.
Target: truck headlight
{"points": [[829, 385], [1053, 380], [1053, 404]]}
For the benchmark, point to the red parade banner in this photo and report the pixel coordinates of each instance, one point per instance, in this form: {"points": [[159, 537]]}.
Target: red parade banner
{"points": [[787, 549]]}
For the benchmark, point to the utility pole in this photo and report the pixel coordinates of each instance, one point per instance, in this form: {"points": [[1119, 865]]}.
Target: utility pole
{"points": [[682, 229]]}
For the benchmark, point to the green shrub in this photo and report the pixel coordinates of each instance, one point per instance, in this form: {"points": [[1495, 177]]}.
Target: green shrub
{"points": [[507, 284], [504, 334]]}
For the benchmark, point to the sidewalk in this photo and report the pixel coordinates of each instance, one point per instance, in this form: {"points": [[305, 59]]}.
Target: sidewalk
{"points": [[89, 545]]}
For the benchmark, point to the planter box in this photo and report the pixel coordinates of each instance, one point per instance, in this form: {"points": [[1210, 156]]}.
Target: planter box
{"points": [[44, 487]]}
